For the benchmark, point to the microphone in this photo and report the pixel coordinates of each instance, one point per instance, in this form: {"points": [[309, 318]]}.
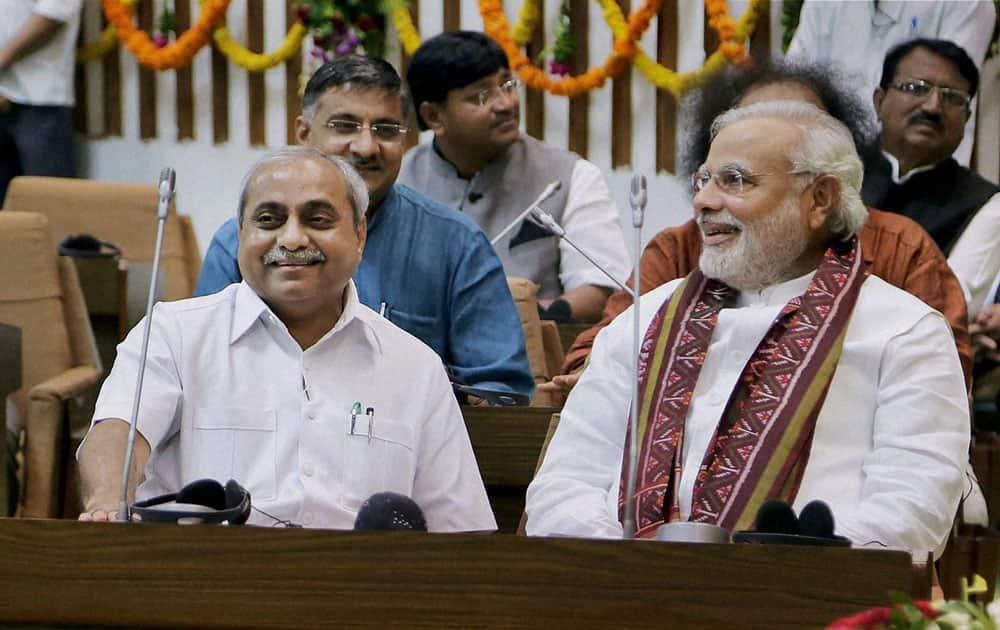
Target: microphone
{"points": [[168, 179], [165, 192], [776, 524], [816, 520], [637, 200], [545, 221], [776, 517], [389, 510], [548, 192]]}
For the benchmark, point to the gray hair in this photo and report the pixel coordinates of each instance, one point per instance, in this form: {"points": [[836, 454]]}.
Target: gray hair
{"points": [[825, 147], [357, 190]]}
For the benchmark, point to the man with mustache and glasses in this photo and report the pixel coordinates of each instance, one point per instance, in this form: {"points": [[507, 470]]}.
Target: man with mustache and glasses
{"points": [[923, 104], [285, 382], [480, 163], [780, 368], [426, 268]]}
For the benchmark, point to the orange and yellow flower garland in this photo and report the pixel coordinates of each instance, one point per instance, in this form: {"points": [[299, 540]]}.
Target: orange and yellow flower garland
{"points": [[674, 82], [624, 49], [176, 55]]}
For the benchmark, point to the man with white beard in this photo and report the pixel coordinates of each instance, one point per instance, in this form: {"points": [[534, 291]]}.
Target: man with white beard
{"points": [[778, 369]]}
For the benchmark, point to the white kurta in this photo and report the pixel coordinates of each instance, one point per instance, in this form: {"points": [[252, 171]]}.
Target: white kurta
{"points": [[890, 443], [229, 394]]}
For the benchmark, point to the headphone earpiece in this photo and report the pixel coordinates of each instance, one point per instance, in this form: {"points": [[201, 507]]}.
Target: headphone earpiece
{"points": [[87, 246], [204, 499]]}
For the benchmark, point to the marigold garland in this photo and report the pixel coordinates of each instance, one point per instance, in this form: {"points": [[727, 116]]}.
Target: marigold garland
{"points": [[399, 11], [670, 80], [259, 62], [176, 55], [624, 49], [527, 21], [104, 43]]}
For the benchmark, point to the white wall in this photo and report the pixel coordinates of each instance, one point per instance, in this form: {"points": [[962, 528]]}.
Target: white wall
{"points": [[208, 175]]}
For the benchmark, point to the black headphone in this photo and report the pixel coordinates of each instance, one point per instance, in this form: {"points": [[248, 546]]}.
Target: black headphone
{"points": [[201, 501], [87, 246]]}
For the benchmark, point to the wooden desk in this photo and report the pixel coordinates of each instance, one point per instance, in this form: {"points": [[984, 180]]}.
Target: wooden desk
{"points": [[10, 382], [507, 441], [64, 572]]}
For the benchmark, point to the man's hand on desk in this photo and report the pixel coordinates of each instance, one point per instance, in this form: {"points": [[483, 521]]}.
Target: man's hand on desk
{"points": [[100, 515], [985, 332], [561, 384]]}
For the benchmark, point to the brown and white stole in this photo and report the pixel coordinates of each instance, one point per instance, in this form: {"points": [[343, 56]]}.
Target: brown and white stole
{"points": [[762, 441]]}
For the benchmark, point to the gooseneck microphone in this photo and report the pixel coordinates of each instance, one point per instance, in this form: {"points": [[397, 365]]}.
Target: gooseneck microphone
{"points": [[546, 193], [637, 200], [165, 190], [389, 510]]}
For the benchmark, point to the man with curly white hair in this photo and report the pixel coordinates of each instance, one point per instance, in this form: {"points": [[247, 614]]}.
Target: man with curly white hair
{"points": [[778, 369]]}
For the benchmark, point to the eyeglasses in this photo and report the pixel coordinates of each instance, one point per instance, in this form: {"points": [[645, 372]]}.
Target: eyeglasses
{"points": [[918, 88], [490, 95], [731, 180], [382, 132]]}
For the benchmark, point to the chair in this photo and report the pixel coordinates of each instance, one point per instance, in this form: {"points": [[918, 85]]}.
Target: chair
{"points": [[40, 294], [553, 425], [122, 214], [541, 338]]}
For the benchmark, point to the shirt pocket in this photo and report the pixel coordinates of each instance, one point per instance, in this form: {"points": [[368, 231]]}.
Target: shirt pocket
{"points": [[236, 443], [386, 463], [428, 329]]}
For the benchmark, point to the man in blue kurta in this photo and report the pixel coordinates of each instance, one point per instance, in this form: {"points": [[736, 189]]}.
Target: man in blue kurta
{"points": [[427, 268]]}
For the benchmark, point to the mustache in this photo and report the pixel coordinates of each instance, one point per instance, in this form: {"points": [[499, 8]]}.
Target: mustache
{"points": [[360, 163], [928, 117], [719, 218], [279, 255]]}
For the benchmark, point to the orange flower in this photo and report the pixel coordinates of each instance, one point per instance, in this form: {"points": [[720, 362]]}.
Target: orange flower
{"points": [[176, 55]]}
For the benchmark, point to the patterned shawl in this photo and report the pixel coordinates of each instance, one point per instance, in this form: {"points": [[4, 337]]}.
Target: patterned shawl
{"points": [[762, 441]]}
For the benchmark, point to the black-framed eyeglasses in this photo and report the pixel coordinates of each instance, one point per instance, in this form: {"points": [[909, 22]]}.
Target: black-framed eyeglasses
{"points": [[732, 180], [918, 88], [490, 95], [383, 132]]}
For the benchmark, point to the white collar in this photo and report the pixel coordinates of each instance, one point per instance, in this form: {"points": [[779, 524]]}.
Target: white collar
{"points": [[894, 163], [776, 294], [248, 309]]}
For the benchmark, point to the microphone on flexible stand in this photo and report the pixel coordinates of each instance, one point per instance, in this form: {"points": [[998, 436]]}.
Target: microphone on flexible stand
{"points": [[165, 189], [548, 192], [203, 500], [637, 200]]}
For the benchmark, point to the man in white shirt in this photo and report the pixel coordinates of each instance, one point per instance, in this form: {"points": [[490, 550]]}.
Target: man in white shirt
{"points": [[37, 55], [481, 164], [779, 369], [285, 382]]}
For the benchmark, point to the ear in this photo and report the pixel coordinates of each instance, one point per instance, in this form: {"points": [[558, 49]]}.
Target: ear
{"points": [[362, 233], [822, 200], [432, 113], [877, 97], [302, 129]]}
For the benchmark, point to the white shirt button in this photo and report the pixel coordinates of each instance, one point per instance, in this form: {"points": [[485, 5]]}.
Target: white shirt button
{"points": [[308, 469]]}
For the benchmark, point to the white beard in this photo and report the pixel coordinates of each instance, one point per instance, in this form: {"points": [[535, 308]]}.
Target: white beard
{"points": [[764, 250]]}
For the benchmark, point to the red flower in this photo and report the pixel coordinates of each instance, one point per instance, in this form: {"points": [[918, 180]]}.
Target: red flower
{"points": [[366, 23]]}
